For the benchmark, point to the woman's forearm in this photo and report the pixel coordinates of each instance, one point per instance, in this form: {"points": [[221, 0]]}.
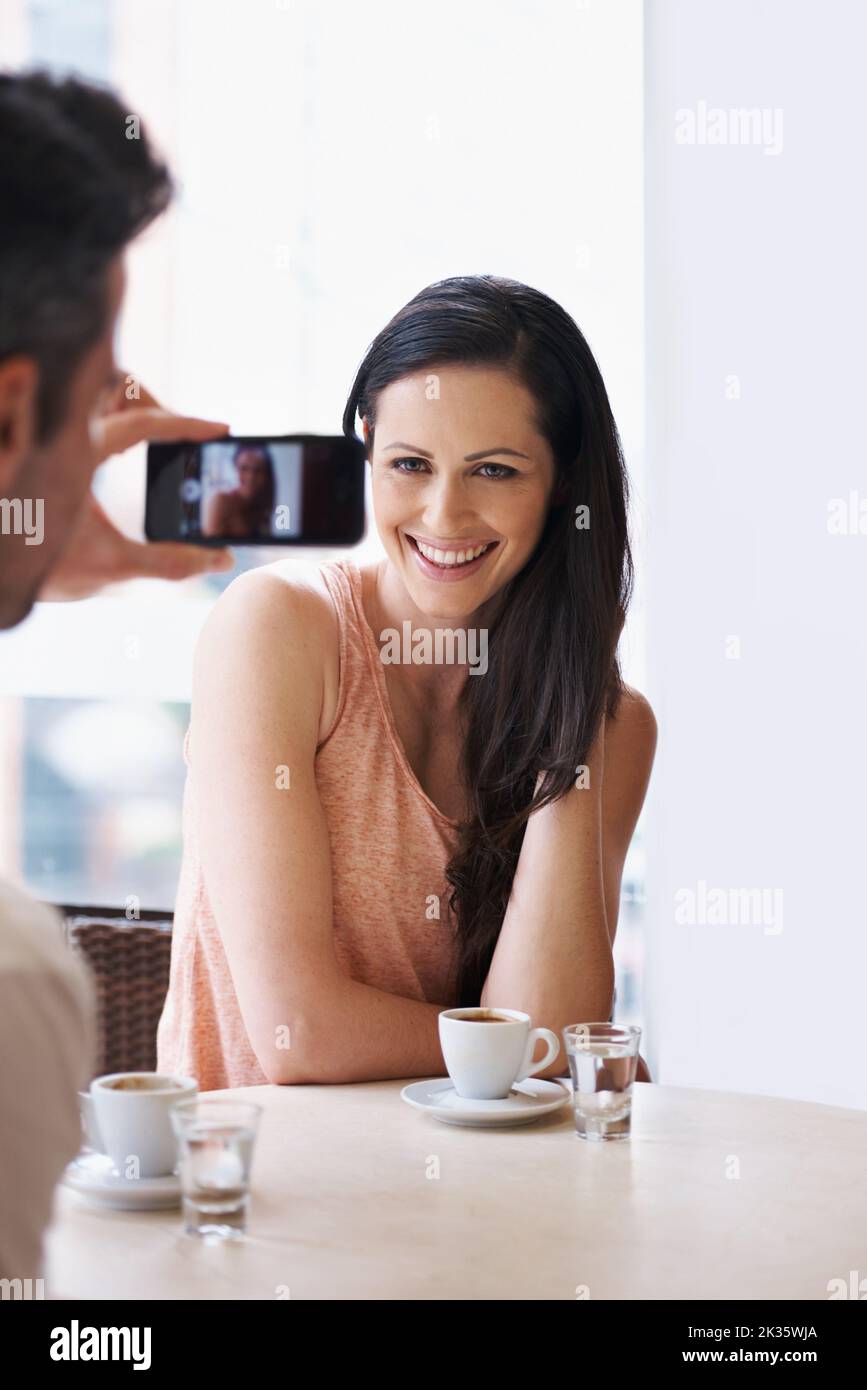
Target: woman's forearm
{"points": [[360, 1033], [553, 957]]}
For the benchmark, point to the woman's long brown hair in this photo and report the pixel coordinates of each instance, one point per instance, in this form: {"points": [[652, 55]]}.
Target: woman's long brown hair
{"points": [[552, 646]]}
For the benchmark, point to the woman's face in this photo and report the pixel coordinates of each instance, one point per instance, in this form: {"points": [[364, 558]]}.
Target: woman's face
{"points": [[253, 473], [458, 467]]}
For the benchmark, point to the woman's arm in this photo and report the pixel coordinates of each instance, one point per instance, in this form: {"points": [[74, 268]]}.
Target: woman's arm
{"points": [[257, 702], [553, 958]]}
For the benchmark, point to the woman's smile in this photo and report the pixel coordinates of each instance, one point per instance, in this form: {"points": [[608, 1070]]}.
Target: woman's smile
{"points": [[449, 561]]}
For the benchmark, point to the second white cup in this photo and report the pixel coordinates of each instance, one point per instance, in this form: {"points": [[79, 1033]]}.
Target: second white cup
{"points": [[127, 1115]]}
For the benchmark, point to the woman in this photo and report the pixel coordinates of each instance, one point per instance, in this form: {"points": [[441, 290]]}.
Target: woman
{"points": [[244, 512], [370, 841]]}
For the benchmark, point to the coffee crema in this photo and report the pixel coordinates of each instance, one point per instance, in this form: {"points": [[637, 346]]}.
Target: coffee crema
{"points": [[143, 1083]]}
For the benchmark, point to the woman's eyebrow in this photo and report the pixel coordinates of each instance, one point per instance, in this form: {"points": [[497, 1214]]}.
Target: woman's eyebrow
{"points": [[484, 453], [468, 458]]}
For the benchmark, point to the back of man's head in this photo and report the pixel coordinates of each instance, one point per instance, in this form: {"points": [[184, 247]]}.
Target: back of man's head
{"points": [[78, 180]]}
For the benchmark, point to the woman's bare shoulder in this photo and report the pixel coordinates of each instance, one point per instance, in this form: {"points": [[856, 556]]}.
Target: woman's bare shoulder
{"points": [[630, 748], [275, 624], [290, 592], [635, 716]]}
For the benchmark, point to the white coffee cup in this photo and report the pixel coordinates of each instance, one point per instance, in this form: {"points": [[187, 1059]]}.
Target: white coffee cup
{"points": [[126, 1115], [485, 1058]]}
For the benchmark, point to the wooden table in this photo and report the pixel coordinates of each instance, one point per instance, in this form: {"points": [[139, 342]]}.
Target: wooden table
{"points": [[356, 1195]]}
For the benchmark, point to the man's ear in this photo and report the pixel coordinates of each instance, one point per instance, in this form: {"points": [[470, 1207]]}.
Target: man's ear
{"points": [[19, 378]]}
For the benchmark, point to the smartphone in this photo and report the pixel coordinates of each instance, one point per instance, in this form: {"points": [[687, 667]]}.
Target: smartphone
{"points": [[294, 489]]}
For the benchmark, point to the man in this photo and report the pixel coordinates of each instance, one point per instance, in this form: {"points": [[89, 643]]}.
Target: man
{"points": [[74, 190]]}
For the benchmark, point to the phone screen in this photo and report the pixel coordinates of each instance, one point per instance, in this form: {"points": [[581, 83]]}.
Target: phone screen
{"points": [[257, 490]]}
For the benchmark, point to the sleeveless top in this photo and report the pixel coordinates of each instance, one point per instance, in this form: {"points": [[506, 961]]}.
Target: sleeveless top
{"points": [[389, 849]]}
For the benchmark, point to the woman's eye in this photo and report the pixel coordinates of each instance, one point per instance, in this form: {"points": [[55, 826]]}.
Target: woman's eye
{"points": [[396, 463], [504, 470]]}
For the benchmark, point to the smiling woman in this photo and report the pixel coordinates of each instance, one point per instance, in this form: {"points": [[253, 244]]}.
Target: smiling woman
{"points": [[433, 845], [486, 356]]}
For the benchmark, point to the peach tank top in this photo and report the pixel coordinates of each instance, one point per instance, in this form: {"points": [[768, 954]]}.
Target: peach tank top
{"points": [[389, 849]]}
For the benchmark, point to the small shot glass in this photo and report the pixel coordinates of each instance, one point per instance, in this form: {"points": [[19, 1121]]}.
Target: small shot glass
{"points": [[215, 1144], [603, 1060]]}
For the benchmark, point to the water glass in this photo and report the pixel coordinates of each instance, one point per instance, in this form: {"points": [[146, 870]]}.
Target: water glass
{"points": [[603, 1060], [215, 1140]]}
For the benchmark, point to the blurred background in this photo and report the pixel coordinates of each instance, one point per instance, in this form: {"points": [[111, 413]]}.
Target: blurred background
{"points": [[332, 159]]}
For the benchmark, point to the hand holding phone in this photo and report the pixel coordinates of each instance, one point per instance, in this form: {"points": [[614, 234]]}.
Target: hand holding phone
{"points": [[98, 554]]}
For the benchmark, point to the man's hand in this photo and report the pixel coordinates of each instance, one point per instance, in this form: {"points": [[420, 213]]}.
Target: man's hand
{"points": [[98, 553]]}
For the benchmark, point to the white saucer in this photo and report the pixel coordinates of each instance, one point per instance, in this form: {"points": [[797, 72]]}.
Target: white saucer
{"points": [[93, 1175], [526, 1102]]}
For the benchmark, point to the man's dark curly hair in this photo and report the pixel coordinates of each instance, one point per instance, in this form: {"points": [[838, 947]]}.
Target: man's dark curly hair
{"points": [[78, 180]]}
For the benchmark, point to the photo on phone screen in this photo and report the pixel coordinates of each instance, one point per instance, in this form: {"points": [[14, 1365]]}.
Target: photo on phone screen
{"points": [[257, 490]]}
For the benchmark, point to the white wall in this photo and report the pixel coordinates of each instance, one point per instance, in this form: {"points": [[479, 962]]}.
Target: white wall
{"points": [[756, 271]]}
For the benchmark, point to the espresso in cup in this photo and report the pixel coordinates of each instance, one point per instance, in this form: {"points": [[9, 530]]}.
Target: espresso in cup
{"points": [[144, 1082], [486, 1065], [127, 1115]]}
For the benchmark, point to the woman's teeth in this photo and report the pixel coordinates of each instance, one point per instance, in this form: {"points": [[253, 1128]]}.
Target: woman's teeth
{"points": [[452, 557]]}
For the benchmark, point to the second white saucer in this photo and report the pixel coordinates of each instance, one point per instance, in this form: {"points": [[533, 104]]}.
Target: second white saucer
{"points": [[93, 1175], [526, 1101]]}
